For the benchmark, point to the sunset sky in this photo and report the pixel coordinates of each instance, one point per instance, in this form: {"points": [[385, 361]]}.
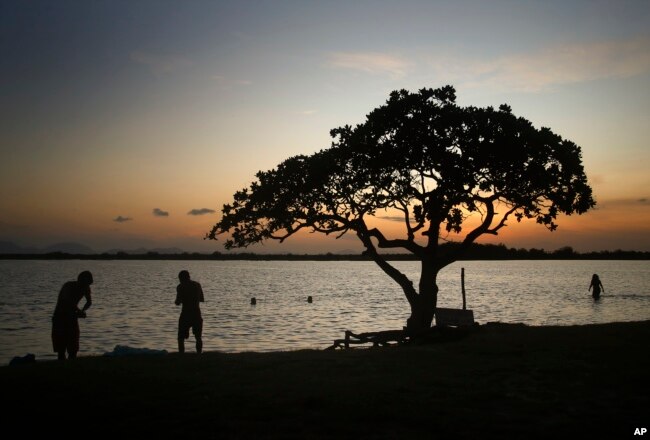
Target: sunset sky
{"points": [[129, 124]]}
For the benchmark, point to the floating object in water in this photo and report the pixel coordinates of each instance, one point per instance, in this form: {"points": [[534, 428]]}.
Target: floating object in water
{"points": [[253, 301], [309, 299]]}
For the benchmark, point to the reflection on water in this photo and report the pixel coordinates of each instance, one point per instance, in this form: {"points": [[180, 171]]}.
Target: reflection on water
{"points": [[133, 301]]}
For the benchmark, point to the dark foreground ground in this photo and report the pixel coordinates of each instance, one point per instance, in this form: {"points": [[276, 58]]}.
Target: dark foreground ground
{"points": [[498, 381]]}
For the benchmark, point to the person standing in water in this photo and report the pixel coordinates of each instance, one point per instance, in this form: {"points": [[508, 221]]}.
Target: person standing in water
{"points": [[189, 294], [597, 286], [65, 321]]}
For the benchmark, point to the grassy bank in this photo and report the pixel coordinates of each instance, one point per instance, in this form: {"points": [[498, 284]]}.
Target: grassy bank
{"points": [[499, 381]]}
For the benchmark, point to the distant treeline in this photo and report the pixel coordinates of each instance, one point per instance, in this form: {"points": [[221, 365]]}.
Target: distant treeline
{"points": [[475, 252]]}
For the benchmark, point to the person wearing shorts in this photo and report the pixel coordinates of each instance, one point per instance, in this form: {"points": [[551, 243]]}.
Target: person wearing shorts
{"points": [[65, 320], [189, 294]]}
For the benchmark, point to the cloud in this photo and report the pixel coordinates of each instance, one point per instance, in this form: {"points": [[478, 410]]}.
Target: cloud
{"points": [[160, 213], [201, 211], [552, 66], [120, 219], [308, 112], [369, 62], [159, 64], [628, 203]]}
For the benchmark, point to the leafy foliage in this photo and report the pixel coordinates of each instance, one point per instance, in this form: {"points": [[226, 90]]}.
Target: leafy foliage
{"points": [[425, 156]]}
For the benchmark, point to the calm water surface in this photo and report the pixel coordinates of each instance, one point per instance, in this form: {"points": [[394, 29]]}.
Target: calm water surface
{"points": [[133, 301]]}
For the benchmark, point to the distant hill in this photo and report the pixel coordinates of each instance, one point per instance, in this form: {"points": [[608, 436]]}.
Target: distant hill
{"points": [[69, 248], [8, 247], [143, 251], [72, 248]]}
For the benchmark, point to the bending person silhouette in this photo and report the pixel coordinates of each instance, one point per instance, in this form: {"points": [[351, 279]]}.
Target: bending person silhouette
{"points": [[189, 293], [597, 286], [65, 321]]}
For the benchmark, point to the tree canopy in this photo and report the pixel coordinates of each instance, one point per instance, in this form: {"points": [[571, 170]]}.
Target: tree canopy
{"points": [[428, 158]]}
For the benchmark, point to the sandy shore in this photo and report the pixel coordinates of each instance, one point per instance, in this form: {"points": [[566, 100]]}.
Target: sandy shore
{"points": [[498, 381]]}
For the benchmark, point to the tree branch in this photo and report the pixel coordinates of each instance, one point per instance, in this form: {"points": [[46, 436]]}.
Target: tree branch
{"points": [[409, 230], [502, 223], [391, 271], [478, 231], [343, 228], [383, 243], [281, 238], [487, 220]]}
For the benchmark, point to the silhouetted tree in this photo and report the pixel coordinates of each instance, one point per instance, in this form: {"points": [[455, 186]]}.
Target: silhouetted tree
{"points": [[431, 160], [565, 252]]}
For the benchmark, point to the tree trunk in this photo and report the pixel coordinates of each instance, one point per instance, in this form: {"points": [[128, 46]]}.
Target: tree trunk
{"points": [[423, 307]]}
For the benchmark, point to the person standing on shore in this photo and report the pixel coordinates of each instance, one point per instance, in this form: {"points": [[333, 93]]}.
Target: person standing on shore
{"points": [[597, 286], [65, 321], [189, 294]]}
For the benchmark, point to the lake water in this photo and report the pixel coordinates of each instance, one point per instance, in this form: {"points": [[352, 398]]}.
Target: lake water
{"points": [[133, 301]]}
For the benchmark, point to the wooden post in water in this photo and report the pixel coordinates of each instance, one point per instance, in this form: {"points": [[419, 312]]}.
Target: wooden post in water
{"points": [[462, 285]]}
